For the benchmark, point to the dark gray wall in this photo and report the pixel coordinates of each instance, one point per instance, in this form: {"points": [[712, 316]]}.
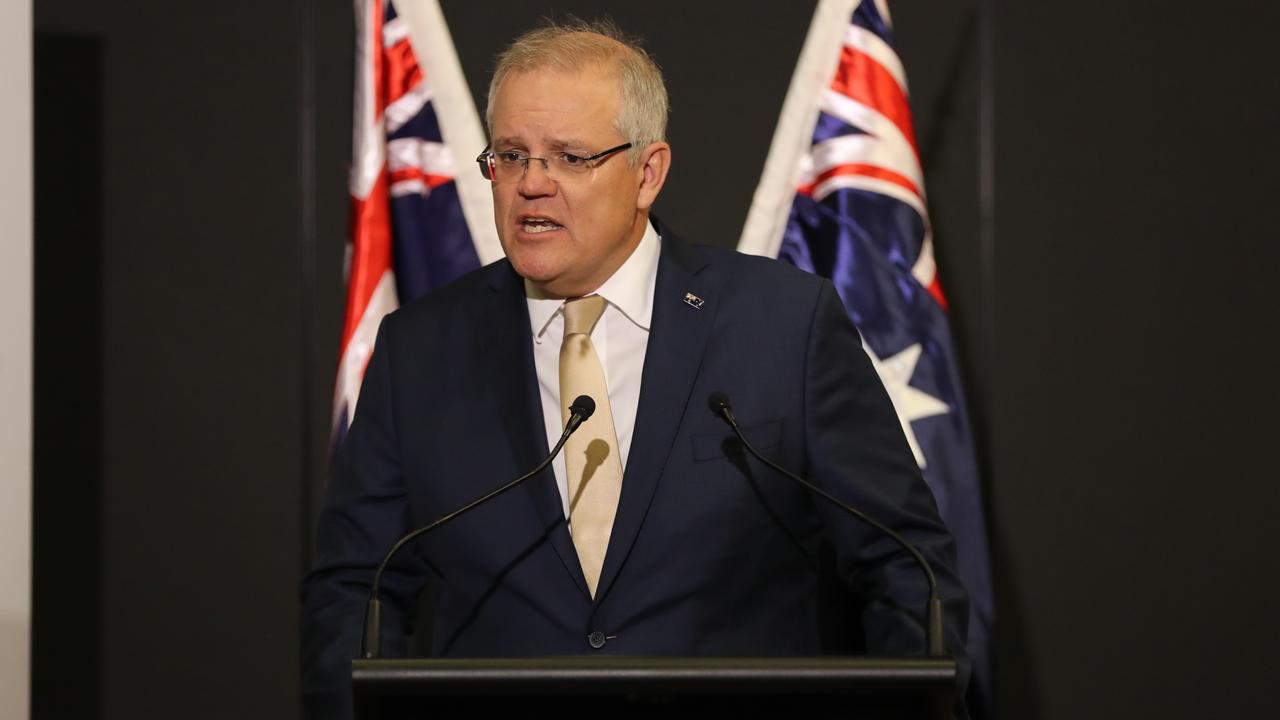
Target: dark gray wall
{"points": [[1098, 183], [201, 342], [1135, 486], [67, 445]]}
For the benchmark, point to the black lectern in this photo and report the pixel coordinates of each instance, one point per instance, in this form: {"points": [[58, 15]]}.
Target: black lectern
{"points": [[612, 687]]}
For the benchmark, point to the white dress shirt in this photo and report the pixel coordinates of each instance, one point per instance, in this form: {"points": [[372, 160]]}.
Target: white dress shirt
{"points": [[620, 338]]}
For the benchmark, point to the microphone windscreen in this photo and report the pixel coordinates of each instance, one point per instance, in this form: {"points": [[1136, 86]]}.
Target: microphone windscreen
{"points": [[583, 405], [718, 402]]}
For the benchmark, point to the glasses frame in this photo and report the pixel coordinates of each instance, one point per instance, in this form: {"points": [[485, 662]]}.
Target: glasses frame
{"points": [[487, 161]]}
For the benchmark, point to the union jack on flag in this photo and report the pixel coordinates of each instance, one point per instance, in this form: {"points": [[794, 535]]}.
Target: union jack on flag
{"points": [[858, 216], [408, 233]]}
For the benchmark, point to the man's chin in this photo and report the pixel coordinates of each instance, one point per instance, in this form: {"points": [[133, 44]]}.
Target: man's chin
{"points": [[539, 274], [552, 273], [554, 286]]}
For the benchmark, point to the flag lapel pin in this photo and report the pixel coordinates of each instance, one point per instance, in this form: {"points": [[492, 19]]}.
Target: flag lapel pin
{"points": [[694, 301]]}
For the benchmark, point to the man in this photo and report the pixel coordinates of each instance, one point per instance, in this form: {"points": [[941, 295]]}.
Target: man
{"points": [[654, 534]]}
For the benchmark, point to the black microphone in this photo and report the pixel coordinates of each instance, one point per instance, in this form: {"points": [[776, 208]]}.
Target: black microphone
{"points": [[719, 403], [581, 409]]}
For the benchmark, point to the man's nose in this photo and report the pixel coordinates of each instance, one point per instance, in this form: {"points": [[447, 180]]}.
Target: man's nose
{"points": [[536, 180]]}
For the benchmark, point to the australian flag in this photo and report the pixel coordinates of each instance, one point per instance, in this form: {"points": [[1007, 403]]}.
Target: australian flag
{"points": [[859, 219], [408, 234]]}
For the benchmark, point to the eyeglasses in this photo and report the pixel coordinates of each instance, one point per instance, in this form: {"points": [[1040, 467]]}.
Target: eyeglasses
{"points": [[512, 164]]}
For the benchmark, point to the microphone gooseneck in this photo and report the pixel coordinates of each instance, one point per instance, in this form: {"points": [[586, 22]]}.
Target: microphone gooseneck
{"points": [[719, 403], [581, 409]]}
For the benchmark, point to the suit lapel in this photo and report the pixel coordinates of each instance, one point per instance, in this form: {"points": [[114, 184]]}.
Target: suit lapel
{"points": [[678, 334], [525, 427]]}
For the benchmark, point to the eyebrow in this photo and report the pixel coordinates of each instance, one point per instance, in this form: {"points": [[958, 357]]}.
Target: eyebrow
{"points": [[499, 142], [565, 144]]}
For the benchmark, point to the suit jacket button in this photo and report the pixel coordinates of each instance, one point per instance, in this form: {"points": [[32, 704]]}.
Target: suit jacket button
{"points": [[596, 639]]}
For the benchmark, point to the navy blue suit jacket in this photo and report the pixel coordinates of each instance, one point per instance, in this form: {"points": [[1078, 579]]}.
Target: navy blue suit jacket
{"points": [[711, 554]]}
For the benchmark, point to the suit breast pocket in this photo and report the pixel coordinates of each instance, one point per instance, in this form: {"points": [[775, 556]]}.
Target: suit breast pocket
{"points": [[714, 445]]}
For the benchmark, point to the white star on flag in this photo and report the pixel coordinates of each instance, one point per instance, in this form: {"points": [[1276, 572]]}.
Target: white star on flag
{"points": [[909, 402]]}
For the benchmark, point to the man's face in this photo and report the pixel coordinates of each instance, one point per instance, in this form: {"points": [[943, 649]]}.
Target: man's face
{"points": [[566, 234]]}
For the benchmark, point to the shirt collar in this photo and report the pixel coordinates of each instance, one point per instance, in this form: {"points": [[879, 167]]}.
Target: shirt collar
{"points": [[629, 289]]}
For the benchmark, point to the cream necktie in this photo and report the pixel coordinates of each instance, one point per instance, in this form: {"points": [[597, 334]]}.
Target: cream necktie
{"points": [[591, 455]]}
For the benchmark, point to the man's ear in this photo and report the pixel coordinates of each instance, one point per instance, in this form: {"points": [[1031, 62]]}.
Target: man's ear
{"points": [[654, 164]]}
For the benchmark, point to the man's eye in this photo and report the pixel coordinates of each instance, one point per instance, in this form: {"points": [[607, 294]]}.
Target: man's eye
{"points": [[510, 157], [571, 160]]}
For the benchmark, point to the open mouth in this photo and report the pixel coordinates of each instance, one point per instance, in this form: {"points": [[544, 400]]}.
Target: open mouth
{"points": [[534, 224]]}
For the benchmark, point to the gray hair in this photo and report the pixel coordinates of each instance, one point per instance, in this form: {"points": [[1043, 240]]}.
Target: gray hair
{"points": [[576, 43]]}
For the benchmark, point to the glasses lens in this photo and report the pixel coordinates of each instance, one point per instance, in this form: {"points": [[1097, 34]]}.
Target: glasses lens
{"points": [[508, 164], [569, 164]]}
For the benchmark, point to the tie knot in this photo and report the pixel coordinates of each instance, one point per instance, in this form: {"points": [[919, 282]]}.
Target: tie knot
{"points": [[580, 315]]}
